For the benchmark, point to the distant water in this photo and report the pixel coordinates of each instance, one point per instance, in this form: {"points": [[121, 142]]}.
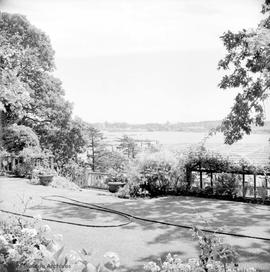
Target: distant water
{"points": [[254, 147]]}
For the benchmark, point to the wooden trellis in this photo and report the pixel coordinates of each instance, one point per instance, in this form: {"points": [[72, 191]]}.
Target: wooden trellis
{"points": [[243, 173]]}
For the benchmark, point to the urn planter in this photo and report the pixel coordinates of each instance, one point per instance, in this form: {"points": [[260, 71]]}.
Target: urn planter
{"points": [[114, 186], [45, 179]]}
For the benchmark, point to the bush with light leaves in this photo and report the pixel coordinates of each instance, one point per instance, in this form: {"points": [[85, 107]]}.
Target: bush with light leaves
{"points": [[32, 247]]}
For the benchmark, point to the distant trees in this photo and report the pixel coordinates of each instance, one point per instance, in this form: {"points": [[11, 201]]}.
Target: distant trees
{"points": [[247, 63]]}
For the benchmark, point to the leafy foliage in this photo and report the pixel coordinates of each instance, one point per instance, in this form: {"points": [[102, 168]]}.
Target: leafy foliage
{"points": [[25, 55], [199, 157], [112, 161], [30, 95], [214, 256], [16, 138], [73, 171], [226, 185], [158, 172], [32, 246], [95, 148], [247, 64]]}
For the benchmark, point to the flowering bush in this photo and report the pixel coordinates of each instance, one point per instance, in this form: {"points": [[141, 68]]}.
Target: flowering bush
{"points": [[175, 263], [158, 172], [215, 256], [32, 247]]}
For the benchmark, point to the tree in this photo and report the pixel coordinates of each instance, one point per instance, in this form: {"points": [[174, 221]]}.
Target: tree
{"points": [[30, 95], [67, 141], [16, 138], [247, 64], [25, 55], [112, 160], [129, 146], [95, 148]]}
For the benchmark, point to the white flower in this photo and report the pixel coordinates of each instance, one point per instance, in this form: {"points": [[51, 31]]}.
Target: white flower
{"points": [[251, 269], [45, 252], [11, 251], [45, 228], [151, 266], [13, 255], [30, 232], [3, 240], [114, 260], [90, 268], [74, 257], [54, 246]]}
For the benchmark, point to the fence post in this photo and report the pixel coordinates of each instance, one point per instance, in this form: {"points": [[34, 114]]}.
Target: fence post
{"points": [[266, 185], [13, 164], [243, 185], [188, 176], [255, 193], [201, 182]]}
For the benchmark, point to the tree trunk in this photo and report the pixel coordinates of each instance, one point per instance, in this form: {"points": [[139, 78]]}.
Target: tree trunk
{"points": [[93, 156]]}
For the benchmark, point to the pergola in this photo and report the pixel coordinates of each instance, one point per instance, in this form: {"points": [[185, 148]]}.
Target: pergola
{"points": [[8, 163]]}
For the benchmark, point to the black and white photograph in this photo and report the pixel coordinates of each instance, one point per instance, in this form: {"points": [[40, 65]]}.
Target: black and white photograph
{"points": [[134, 136]]}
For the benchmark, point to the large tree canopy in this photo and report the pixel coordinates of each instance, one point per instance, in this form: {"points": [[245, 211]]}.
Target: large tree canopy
{"points": [[247, 66], [25, 55], [30, 96]]}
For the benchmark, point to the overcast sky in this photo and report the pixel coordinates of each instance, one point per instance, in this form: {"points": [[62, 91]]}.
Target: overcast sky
{"points": [[141, 60]]}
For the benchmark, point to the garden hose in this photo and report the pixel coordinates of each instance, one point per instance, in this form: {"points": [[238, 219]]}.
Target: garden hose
{"points": [[88, 206], [127, 216]]}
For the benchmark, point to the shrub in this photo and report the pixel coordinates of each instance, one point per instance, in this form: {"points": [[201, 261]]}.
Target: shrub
{"points": [[159, 173], [208, 190], [73, 172], [24, 169], [226, 185], [29, 246], [123, 192]]}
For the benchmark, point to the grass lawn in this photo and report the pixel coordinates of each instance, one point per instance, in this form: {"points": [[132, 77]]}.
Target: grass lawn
{"points": [[139, 241]]}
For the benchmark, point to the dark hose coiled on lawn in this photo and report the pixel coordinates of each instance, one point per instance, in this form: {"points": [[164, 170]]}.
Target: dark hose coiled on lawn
{"points": [[127, 216]]}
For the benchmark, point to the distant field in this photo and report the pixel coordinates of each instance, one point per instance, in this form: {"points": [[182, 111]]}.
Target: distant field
{"points": [[255, 147]]}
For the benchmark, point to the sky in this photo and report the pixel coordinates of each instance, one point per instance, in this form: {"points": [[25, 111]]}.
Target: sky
{"points": [[141, 61]]}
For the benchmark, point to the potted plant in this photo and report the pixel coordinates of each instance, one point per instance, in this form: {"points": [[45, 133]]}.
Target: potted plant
{"points": [[44, 174], [116, 180]]}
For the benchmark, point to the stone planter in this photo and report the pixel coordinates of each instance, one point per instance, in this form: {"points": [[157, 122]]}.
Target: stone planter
{"points": [[114, 186], [45, 179]]}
